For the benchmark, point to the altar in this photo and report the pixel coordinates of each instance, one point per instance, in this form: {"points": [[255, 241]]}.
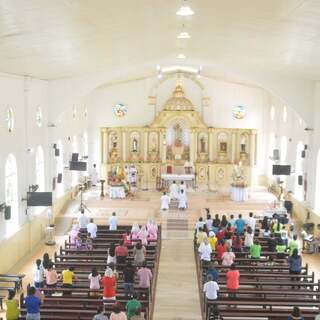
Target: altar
{"points": [[188, 179], [117, 192], [239, 194]]}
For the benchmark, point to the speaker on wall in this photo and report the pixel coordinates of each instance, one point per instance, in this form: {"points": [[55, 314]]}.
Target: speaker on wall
{"points": [[303, 154], [7, 212], [300, 180], [305, 147], [75, 157], [57, 152], [59, 178]]}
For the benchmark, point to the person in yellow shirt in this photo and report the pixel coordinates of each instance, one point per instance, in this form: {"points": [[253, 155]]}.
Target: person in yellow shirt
{"points": [[13, 311], [213, 240], [68, 277], [201, 235]]}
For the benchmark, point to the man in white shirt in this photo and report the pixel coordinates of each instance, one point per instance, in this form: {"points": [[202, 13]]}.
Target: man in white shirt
{"points": [[174, 191], [205, 250], [94, 176], [211, 289], [165, 201], [83, 220], [251, 222], [182, 201], [113, 222], [92, 229]]}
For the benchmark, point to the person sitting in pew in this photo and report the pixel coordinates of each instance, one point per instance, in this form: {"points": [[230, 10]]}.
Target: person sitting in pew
{"points": [[51, 277], [232, 221], [112, 254], [92, 229], [100, 315], [220, 250], [94, 278], [132, 306], [293, 244], [233, 276], [228, 257], [143, 235], [74, 234], [212, 271], [281, 249], [138, 315], [117, 314], [121, 253], [46, 261], [240, 224], [237, 243], [145, 276], [295, 263], [205, 251], [224, 221], [295, 314], [83, 220], [255, 250], [211, 288], [32, 303], [109, 283], [139, 254], [126, 237], [248, 238], [209, 220], [201, 235], [135, 231], [212, 240], [277, 227], [200, 224], [128, 278], [68, 276], [12, 306]]}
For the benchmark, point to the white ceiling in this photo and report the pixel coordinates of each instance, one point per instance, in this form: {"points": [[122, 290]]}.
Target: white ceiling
{"points": [[50, 39]]}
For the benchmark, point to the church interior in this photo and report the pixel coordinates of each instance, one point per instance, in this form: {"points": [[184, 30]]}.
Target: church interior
{"points": [[159, 160]]}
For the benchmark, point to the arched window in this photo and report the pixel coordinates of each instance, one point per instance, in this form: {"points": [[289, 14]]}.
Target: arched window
{"points": [[284, 149], [272, 144], [317, 193], [59, 170], [75, 174], [40, 176], [298, 189], [11, 194]]}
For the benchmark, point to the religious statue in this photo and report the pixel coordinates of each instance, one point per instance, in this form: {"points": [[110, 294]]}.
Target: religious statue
{"points": [[134, 145], [223, 146], [238, 176]]}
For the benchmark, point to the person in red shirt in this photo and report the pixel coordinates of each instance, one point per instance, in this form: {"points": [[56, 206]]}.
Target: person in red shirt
{"points": [[220, 250], [237, 243], [127, 238], [233, 277], [221, 233], [121, 253], [109, 283]]}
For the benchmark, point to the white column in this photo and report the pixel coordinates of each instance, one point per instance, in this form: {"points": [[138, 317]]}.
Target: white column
{"points": [[124, 146], [210, 146], [145, 146], [164, 147], [195, 146], [253, 148], [233, 146], [191, 146]]}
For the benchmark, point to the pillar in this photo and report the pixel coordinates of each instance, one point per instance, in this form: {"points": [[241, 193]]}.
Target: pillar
{"points": [[124, 145], [145, 146], [192, 146], [253, 148], [210, 145], [233, 146]]}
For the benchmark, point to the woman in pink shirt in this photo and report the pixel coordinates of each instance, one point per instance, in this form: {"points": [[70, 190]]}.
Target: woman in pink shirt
{"points": [[145, 276], [51, 277], [94, 278], [143, 235], [228, 257]]}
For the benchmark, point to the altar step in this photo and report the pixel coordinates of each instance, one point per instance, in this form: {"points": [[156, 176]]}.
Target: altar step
{"points": [[174, 205], [177, 224]]}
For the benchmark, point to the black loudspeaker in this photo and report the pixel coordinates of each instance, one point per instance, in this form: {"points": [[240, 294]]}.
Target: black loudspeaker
{"points": [[59, 178], [57, 152], [303, 154], [7, 212], [300, 180], [55, 146], [75, 157], [305, 147]]}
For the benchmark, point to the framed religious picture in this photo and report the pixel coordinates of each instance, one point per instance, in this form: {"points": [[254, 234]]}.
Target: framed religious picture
{"points": [[223, 147]]}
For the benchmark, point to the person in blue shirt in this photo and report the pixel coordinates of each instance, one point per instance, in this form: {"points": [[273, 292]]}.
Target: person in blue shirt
{"points": [[240, 224], [213, 272], [32, 304]]}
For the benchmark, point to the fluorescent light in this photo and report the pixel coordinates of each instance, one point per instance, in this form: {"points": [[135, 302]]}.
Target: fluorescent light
{"points": [[185, 11], [181, 56], [183, 35], [177, 68]]}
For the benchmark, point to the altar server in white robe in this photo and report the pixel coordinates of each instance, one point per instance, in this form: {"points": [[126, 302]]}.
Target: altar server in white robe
{"points": [[94, 176], [183, 187], [174, 191], [182, 200], [133, 174], [165, 201]]}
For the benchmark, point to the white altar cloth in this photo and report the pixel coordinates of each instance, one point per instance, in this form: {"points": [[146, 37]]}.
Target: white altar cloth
{"points": [[239, 194], [116, 192], [188, 179]]}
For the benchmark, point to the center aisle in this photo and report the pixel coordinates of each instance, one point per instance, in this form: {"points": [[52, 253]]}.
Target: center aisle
{"points": [[177, 295]]}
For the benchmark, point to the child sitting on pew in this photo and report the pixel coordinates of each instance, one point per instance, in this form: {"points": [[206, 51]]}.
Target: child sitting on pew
{"points": [[296, 314], [117, 314], [100, 315]]}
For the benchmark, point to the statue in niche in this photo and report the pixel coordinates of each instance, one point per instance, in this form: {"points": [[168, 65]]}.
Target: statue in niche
{"points": [[202, 145], [243, 143], [243, 147], [177, 135], [223, 147], [134, 145], [154, 143]]}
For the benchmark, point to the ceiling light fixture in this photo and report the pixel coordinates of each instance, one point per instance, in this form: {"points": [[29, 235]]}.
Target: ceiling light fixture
{"points": [[181, 56], [179, 68], [185, 11], [183, 35]]}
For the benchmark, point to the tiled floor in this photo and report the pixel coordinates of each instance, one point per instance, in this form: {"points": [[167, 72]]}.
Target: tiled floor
{"points": [[177, 291]]}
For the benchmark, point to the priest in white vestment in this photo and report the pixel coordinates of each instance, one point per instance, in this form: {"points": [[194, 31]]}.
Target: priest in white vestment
{"points": [[174, 191], [183, 187], [182, 200], [94, 176], [165, 201]]}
